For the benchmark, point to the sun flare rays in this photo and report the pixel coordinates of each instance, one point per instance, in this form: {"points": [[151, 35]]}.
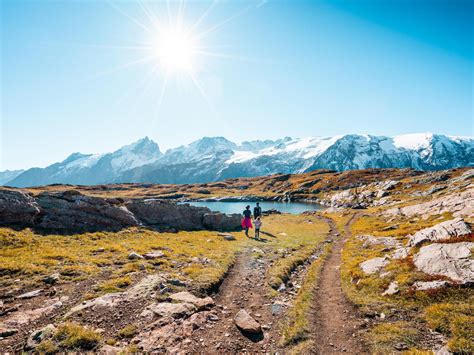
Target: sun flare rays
{"points": [[174, 48]]}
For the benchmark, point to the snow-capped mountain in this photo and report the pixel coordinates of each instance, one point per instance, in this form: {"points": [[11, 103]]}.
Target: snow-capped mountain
{"points": [[216, 158], [90, 169]]}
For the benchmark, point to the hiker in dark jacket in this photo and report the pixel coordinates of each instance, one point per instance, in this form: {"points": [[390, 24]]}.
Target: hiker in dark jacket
{"points": [[257, 211]]}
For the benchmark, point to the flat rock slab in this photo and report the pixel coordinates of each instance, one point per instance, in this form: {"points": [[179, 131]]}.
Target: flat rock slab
{"points": [[30, 294], [442, 231], [154, 255], [452, 260], [245, 322], [188, 297], [373, 265], [429, 285], [168, 309]]}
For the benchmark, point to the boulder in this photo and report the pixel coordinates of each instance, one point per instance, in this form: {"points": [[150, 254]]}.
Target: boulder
{"points": [[442, 231], [17, 208], [222, 221], [246, 323], [72, 211], [429, 285], [373, 265], [188, 297], [452, 260]]}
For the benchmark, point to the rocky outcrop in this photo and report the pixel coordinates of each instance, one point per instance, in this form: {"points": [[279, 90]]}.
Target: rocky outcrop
{"points": [[459, 204], [17, 208], [167, 214], [442, 231], [451, 260], [71, 211], [221, 221], [181, 216], [429, 285]]}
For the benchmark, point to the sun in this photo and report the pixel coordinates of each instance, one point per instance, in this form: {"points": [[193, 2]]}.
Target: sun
{"points": [[175, 50]]}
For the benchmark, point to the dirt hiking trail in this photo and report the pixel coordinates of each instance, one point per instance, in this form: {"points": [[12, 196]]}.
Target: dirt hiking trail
{"points": [[335, 319]]}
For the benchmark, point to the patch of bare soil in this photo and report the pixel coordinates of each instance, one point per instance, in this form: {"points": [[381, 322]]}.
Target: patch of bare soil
{"points": [[243, 288], [336, 323]]}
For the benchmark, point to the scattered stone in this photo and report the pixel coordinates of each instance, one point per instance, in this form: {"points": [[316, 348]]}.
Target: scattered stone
{"points": [[277, 308], [283, 234], [451, 260], [135, 256], [282, 287], [246, 323], [392, 289], [52, 279], [442, 231], [429, 285], [153, 255], [373, 265], [188, 297], [226, 236], [39, 335], [30, 294]]}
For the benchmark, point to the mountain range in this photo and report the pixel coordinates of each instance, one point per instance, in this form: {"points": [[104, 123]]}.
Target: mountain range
{"points": [[216, 158]]}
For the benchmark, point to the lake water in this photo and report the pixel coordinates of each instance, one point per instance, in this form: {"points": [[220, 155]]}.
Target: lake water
{"points": [[238, 207]]}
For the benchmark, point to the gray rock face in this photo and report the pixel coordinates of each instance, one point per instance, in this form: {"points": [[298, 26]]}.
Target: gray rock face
{"points": [[459, 204], [71, 210], [16, 207], [374, 265], [450, 260], [442, 231], [167, 214], [429, 285], [221, 221]]}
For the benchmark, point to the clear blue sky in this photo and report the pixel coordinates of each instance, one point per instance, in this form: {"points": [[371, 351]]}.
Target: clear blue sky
{"points": [[297, 69]]}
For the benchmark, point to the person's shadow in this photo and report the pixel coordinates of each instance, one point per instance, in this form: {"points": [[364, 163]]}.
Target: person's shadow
{"points": [[268, 234]]}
